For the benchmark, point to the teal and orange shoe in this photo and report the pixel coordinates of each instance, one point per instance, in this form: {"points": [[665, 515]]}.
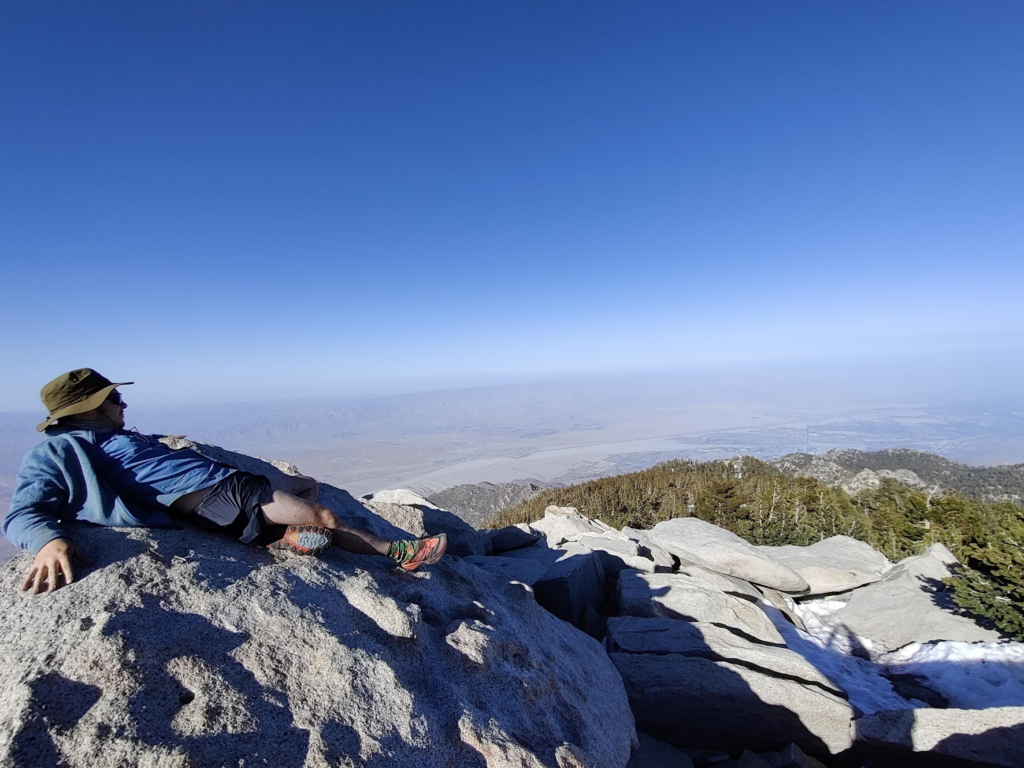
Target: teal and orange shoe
{"points": [[411, 554], [304, 540]]}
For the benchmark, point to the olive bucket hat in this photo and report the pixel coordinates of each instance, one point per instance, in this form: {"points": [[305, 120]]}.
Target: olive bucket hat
{"points": [[74, 392]]}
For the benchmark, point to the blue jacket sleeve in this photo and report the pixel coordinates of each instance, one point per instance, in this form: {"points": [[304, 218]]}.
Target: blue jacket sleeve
{"points": [[40, 495]]}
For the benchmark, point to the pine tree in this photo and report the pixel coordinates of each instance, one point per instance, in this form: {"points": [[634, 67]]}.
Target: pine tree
{"points": [[992, 581]]}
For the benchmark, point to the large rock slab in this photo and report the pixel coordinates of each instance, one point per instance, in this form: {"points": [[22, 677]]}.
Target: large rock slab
{"points": [[185, 648], [911, 605], [720, 550], [837, 564], [676, 596], [985, 737], [695, 702], [627, 634]]}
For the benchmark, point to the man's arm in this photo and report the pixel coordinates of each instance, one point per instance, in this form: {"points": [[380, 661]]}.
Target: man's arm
{"points": [[33, 522], [41, 493]]}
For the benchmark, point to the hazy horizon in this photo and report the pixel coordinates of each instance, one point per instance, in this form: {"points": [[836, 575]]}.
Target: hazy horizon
{"points": [[469, 424], [568, 430]]}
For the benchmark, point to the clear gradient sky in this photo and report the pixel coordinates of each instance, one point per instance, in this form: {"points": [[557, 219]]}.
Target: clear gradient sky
{"points": [[236, 200]]}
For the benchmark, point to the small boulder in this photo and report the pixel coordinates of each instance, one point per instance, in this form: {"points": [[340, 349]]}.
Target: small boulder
{"points": [[720, 550]]}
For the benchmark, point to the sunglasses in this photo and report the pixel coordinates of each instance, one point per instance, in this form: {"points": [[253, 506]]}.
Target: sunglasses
{"points": [[114, 398]]}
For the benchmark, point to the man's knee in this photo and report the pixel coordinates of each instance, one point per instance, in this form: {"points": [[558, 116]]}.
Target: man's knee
{"points": [[325, 517], [297, 485]]}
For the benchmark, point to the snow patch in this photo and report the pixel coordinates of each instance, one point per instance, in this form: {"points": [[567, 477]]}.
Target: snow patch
{"points": [[969, 675]]}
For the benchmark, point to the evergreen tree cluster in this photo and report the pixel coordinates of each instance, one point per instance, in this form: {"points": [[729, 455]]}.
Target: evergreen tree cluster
{"points": [[767, 507]]}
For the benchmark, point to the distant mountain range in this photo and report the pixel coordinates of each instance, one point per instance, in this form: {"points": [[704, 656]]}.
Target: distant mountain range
{"points": [[854, 471]]}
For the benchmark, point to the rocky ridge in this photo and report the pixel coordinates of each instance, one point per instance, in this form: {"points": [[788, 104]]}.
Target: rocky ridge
{"points": [[685, 611], [855, 471], [563, 642], [480, 502]]}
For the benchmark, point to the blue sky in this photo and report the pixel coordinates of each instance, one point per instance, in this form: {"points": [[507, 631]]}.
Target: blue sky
{"points": [[265, 199]]}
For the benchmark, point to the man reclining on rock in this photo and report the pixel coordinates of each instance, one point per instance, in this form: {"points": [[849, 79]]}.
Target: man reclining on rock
{"points": [[90, 468]]}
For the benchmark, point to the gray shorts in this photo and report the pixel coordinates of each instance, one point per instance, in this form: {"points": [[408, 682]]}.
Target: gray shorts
{"points": [[234, 506]]}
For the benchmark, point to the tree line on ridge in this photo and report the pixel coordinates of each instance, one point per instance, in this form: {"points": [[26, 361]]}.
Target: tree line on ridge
{"points": [[764, 506]]}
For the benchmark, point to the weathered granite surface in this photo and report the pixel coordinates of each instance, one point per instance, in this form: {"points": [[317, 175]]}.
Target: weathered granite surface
{"points": [[185, 648], [910, 604], [837, 564], [717, 549]]}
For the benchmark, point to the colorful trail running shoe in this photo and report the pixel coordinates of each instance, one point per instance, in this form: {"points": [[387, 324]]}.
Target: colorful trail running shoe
{"points": [[426, 551], [304, 540]]}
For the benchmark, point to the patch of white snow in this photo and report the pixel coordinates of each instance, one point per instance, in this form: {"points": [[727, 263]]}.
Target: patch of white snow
{"points": [[829, 651], [969, 675]]}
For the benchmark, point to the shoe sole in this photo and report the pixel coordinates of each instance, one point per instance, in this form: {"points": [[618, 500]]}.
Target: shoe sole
{"points": [[305, 540]]}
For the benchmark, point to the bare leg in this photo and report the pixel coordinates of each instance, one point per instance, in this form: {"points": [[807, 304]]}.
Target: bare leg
{"points": [[287, 509]]}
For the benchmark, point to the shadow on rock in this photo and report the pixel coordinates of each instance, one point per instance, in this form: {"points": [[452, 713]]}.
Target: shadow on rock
{"points": [[928, 739], [154, 637], [690, 694], [942, 596], [58, 703]]}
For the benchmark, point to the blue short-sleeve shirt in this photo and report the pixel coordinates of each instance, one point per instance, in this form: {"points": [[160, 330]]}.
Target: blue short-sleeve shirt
{"points": [[143, 470]]}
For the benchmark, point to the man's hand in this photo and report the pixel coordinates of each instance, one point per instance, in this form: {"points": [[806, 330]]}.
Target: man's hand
{"points": [[52, 566]]}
